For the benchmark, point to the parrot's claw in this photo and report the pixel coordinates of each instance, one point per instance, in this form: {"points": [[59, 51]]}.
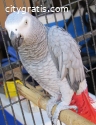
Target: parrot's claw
{"points": [[54, 120], [49, 108], [50, 105], [59, 108]]}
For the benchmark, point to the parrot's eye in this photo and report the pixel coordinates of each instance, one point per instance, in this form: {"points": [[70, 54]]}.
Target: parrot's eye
{"points": [[25, 22]]}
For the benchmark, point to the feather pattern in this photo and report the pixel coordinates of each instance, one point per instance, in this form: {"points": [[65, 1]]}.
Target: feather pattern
{"points": [[48, 54], [69, 60]]}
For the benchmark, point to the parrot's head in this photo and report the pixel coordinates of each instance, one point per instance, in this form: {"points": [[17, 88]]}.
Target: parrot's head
{"points": [[20, 26]]}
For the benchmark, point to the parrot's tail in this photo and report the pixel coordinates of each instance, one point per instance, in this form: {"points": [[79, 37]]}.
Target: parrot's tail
{"points": [[84, 104]]}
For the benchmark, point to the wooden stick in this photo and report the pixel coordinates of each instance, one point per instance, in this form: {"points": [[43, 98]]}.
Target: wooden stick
{"points": [[31, 88], [67, 116]]}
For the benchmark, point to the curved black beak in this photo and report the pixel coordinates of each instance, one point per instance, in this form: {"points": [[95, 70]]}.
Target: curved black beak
{"points": [[16, 40]]}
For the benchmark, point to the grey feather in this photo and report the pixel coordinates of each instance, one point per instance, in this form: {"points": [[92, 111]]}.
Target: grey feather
{"points": [[63, 72], [69, 60], [60, 62]]}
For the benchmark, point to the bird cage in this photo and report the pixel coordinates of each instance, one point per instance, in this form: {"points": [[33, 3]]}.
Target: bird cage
{"points": [[78, 17]]}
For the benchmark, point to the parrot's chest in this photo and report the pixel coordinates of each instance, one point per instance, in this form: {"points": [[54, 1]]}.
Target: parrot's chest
{"points": [[45, 73], [44, 69]]}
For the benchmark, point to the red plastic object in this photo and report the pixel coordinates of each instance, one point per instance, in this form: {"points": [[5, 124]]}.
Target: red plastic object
{"points": [[84, 104]]}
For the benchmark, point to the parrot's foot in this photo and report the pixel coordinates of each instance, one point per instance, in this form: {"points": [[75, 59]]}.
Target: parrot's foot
{"points": [[50, 105], [61, 106]]}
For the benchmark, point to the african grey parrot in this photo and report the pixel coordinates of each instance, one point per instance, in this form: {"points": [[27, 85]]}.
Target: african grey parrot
{"points": [[52, 57]]}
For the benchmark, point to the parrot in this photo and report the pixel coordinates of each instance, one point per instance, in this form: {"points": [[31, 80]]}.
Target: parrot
{"points": [[52, 57]]}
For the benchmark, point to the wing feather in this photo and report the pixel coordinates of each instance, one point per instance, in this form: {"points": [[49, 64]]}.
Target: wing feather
{"points": [[67, 52], [60, 61]]}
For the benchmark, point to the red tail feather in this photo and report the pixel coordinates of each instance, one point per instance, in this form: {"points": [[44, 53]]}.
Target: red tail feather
{"points": [[84, 104]]}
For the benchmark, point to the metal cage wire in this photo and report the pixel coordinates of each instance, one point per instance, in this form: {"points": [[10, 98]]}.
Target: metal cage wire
{"points": [[13, 65]]}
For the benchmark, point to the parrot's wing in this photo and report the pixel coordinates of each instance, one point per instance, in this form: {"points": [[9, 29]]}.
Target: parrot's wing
{"points": [[65, 53]]}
